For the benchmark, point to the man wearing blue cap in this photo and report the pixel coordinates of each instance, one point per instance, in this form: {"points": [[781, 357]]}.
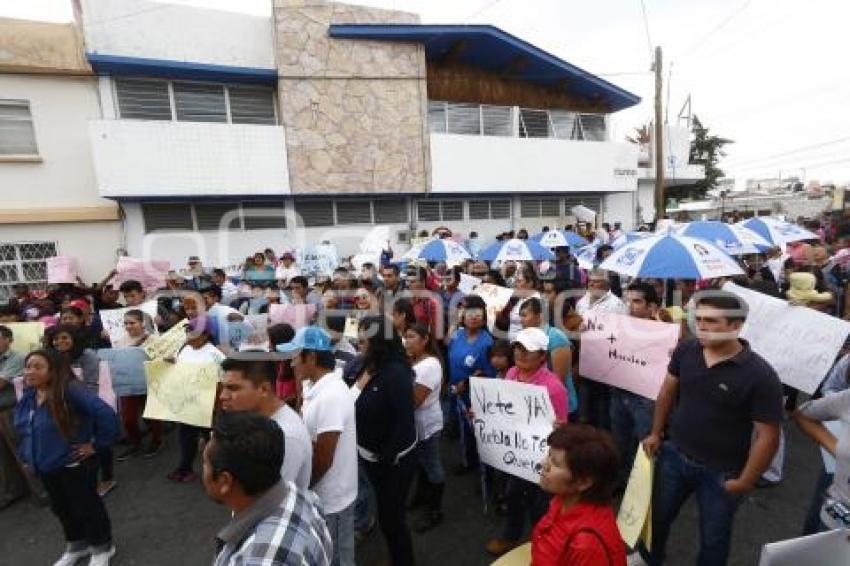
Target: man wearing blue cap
{"points": [[328, 412]]}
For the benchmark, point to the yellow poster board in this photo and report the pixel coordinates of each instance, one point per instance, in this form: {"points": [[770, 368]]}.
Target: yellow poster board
{"points": [[183, 392], [26, 336], [520, 556], [634, 518]]}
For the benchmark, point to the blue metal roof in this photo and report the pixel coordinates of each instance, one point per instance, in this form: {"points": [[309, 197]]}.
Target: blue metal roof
{"points": [[162, 68], [494, 50]]}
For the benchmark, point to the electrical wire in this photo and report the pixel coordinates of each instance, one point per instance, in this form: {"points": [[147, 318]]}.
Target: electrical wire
{"points": [[802, 149], [646, 29], [716, 29]]}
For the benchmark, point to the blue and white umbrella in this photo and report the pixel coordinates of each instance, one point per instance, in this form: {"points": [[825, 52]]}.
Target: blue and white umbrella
{"points": [[515, 250], [445, 250], [559, 238], [586, 256], [668, 256], [777, 232], [732, 238], [628, 238]]}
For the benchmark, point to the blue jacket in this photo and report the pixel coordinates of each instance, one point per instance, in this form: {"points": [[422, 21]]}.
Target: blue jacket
{"points": [[43, 447]]}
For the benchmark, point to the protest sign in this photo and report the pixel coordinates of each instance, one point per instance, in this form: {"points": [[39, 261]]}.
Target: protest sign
{"points": [[320, 259], [26, 336], [183, 392], [520, 556], [627, 352], [511, 424], [259, 336], [823, 549], [800, 343], [495, 298], [296, 316], [167, 345], [352, 328], [151, 274], [62, 269], [113, 321], [127, 368], [633, 518], [468, 283]]}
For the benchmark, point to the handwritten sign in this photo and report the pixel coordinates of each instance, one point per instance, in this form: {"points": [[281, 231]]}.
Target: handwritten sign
{"points": [[627, 352], [468, 283], [296, 316], [113, 321], [320, 259], [151, 274], [495, 297], [127, 368], [633, 519], [62, 269], [512, 422], [168, 344], [352, 328], [183, 392], [26, 336], [800, 343]]}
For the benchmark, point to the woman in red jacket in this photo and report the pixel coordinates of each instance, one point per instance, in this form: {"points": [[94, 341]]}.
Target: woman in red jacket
{"points": [[580, 528]]}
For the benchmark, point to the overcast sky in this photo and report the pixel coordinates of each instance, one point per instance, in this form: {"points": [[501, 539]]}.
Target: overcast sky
{"points": [[773, 75]]}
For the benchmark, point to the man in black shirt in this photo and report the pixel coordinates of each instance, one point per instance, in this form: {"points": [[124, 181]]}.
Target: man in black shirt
{"points": [[727, 407]]}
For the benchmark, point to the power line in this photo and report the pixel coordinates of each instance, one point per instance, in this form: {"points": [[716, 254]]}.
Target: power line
{"points": [[646, 29], [794, 151], [481, 10], [718, 27]]}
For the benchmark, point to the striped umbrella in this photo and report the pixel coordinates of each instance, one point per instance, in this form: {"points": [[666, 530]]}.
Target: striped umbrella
{"points": [[668, 256], [559, 238], [776, 231], [515, 250], [734, 239], [443, 250]]}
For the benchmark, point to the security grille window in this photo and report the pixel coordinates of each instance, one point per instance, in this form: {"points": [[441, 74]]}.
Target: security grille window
{"points": [[24, 262], [263, 215], [593, 127], [464, 118], [550, 207], [251, 105], [452, 210], [534, 123], [17, 134], [437, 116], [199, 102], [354, 212], [315, 213], [489, 209], [538, 208], [496, 120], [173, 217], [500, 209], [143, 99], [217, 216], [390, 211], [428, 211]]}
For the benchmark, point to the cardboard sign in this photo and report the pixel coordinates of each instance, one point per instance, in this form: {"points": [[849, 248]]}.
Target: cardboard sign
{"points": [[296, 316], [113, 321], [800, 343], [511, 424], [168, 344], [627, 352], [495, 298], [26, 336], [127, 369], [183, 392], [634, 517], [62, 269], [151, 274]]}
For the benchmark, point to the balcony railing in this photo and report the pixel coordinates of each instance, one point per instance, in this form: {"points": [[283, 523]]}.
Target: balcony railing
{"points": [[514, 121]]}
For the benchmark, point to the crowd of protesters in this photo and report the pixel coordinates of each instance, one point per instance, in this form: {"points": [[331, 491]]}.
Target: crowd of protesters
{"points": [[301, 436]]}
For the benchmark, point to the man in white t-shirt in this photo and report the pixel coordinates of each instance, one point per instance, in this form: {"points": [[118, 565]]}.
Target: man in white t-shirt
{"points": [[287, 269], [599, 297], [249, 385], [328, 411]]}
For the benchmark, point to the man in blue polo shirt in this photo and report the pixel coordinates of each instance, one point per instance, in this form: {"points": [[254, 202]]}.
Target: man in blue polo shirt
{"points": [[726, 402]]}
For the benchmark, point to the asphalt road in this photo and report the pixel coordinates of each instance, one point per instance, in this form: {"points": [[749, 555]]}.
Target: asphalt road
{"points": [[157, 522]]}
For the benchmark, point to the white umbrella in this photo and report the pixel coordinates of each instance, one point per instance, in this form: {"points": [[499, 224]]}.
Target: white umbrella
{"points": [[669, 256]]}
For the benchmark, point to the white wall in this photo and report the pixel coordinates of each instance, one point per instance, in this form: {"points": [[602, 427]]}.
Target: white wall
{"points": [[152, 30], [646, 200], [153, 158], [463, 163], [619, 207]]}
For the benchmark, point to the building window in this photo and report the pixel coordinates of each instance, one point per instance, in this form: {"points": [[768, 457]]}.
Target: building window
{"points": [[540, 207], [534, 123], [594, 202], [483, 209], [212, 216], [497, 120], [314, 213], [154, 99], [167, 216], [439, 210], [437, 116], [17, 134], [354, 212], [390, 211], [259, 215], [24, 262], [463, 118]]}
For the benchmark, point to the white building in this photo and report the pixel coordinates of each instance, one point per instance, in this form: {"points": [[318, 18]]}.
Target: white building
{"points": [[51, 203], [326, 119]]}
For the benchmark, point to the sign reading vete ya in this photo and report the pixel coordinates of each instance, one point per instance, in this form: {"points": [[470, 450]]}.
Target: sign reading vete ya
{"points": [[800, 343], [512, 422], [627, 352]]}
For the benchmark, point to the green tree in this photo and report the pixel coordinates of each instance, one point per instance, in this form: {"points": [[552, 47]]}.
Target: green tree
{"points": [[706, 150]]}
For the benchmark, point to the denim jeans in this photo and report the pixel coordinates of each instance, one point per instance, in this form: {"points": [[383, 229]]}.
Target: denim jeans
{"points": [[362, 514], [676, 478], [428, 458], [468, 446], [341, 529], [631, 421], [594, 402]]}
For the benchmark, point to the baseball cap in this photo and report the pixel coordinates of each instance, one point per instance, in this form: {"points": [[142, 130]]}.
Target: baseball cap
{"points": [[308, 338], [532, 339]]}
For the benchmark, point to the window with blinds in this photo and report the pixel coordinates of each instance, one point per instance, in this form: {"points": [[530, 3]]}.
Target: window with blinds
{"points": [[251, 105], [593, 127], [199, 102], [17, 134], [390, 211], [174, 217], [592, 201], [315, 213], [500, 209], [439, 210], [437, 116], [479, 210], [213, 215], [354, 212], [452, 209], [489, 209], [564, 125], [143, 99], [263, 215], [496, 120], [540, 207], [463, 118]]}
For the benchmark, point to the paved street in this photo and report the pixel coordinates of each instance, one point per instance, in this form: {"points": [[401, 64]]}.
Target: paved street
{"points": [[159, 523]]}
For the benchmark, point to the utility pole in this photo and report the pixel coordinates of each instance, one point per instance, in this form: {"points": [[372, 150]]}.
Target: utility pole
{"points": [[660, 208]]}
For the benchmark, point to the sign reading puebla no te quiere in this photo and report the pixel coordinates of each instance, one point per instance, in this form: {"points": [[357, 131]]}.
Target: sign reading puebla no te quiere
{"points": [[511, 422]]}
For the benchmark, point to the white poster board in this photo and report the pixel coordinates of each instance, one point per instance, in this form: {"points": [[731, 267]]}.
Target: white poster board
{"points": [[511, 424], [495, 297], [800, 343], [113, 321], [822, 549]]}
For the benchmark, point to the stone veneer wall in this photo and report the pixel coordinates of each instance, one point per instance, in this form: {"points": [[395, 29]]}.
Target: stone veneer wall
{"points": [[355, 112]]}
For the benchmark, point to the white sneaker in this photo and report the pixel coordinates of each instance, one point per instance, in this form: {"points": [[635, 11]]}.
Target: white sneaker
{"points": [[102, 558], [71, 557]]}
